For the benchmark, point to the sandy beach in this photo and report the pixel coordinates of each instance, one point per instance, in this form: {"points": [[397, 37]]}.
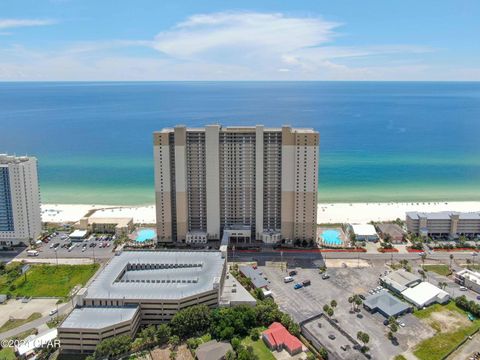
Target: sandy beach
{"points": [[327, 213]]}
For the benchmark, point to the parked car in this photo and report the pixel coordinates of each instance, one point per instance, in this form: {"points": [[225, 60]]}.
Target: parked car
{"points": [[53, 312], [306, 282], [292, 273], [325, 276], [287, 279], [463, 288], [362, 296], [297, 286], [331, 336]]}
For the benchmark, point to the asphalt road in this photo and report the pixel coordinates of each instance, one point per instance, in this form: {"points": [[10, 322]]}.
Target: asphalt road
{"points": [[269, 255], [62, 309]]}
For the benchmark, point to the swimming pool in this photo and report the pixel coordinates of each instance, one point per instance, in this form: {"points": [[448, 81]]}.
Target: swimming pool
{"points": [[331, 237], [145, 234]]}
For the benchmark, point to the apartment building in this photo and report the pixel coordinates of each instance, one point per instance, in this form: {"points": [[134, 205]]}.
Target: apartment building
{"points": [[253, 182], [140, 288], [20, 218], [450, 224]]}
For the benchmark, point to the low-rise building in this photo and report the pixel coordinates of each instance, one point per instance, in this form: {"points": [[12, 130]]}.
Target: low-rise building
{"points": [[425, 294], [363, 232], [78, 235], [106, 225], [468, 278], [400, 280], [213, 350], [450, 224], [85, 327], [391, 231], [277, 337], [255, 275], [386, 304], [142, 288]]}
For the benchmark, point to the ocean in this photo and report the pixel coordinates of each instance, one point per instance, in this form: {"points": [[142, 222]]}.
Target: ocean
{"points": [[379, 141]]}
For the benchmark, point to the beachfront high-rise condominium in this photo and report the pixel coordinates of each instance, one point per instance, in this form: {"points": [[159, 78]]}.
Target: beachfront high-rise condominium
{"points": [[252, 182], [449, 224], [20, 218]]}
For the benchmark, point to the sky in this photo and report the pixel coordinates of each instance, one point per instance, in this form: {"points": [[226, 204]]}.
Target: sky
{"points": [[126, 40]]}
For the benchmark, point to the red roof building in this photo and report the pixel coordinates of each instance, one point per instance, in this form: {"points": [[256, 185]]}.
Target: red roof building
{"points": [[276, 337]]}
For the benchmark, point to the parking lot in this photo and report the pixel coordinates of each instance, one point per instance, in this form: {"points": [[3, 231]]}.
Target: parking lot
{"points": [[83, 249], [343, 282]]}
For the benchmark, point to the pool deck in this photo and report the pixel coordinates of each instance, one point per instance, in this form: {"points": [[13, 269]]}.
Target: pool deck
{"points": [[343, 236]]}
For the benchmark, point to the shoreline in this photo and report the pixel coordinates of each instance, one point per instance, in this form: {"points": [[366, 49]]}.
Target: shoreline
{"points": [[361, 212]]}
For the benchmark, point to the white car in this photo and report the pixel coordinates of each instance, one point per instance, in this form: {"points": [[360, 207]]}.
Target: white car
{"points": [[53, 312], [463, 288]]}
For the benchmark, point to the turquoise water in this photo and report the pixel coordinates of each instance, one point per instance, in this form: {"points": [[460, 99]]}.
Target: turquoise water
{"points": [[379, 141], [145, 234], [331, 237]]}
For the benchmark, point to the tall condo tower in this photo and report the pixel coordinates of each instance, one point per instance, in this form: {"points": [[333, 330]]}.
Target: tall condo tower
{"points": [[252, 182], [20, 218]]}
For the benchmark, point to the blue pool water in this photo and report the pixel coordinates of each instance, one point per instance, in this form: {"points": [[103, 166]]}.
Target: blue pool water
{"points": [[331, 237], [145, 234]]}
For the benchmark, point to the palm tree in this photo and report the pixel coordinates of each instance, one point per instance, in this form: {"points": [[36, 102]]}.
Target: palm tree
{"points": [[451, 259], [351, 301]]}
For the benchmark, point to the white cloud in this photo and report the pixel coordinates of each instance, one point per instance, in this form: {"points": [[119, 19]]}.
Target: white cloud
{"points": [[230, 46], [242, 33], [17, 23]]}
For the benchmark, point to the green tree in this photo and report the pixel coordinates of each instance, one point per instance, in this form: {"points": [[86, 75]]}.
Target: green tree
{"points": [[246, 353], [364, 338], [174, 341], [112, 347], [330, 312], [259, 294], [236, 343], [323, 353], [148, 334], [163, 333], [326, 307], [191, 321], [333, 304], [254, 334], [230, 355]]}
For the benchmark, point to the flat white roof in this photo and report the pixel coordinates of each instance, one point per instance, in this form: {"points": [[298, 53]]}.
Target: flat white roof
{"points": [[33, 342], [78, 234], [166, 275], [423, 293], [364, 229], [473, 276]]}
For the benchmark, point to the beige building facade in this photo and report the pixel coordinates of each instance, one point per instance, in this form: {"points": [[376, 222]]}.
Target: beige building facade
{"points": [[216, 178], [444, 224]]}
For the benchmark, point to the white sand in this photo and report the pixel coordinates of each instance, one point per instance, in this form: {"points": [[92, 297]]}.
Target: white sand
{"points": [[59, 213], [327, 213], [366, 212]]}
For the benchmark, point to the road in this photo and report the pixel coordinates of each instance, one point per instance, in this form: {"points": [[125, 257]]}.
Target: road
{"points": [[276, 255], [62, 310]]}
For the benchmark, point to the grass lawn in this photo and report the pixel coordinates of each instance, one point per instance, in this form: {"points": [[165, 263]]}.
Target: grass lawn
{"points": [[12, 324], [49, 280], [7, 354], [439, 269], [442, 343], [259, 348]]}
